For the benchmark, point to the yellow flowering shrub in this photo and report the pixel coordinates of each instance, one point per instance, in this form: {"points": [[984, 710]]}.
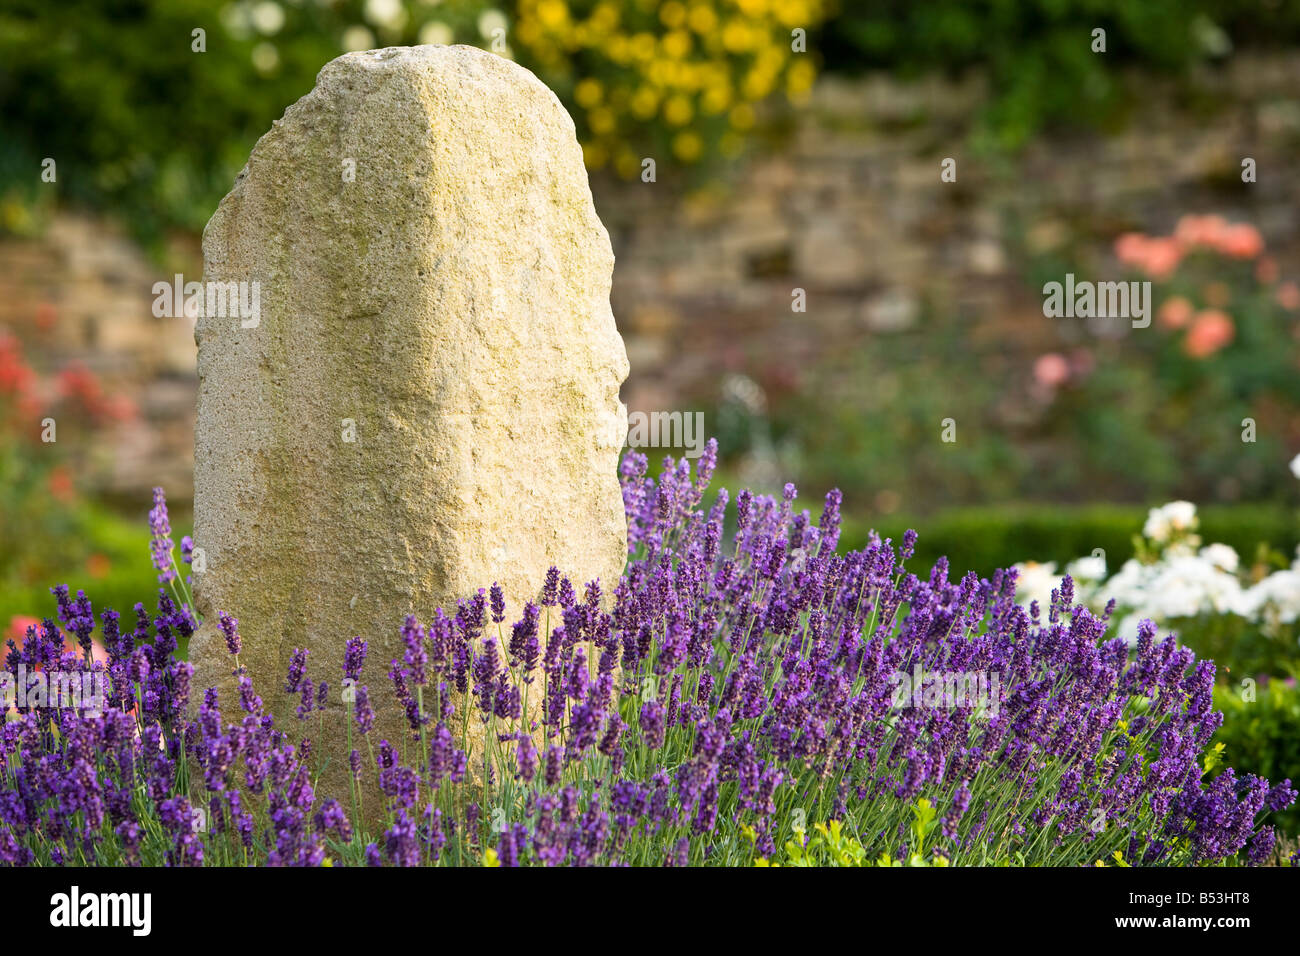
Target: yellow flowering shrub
{"points": [[672, 80], [676, 79]]}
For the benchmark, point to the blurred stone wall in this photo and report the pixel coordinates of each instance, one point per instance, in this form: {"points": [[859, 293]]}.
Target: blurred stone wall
{"points": [[848, 205]]}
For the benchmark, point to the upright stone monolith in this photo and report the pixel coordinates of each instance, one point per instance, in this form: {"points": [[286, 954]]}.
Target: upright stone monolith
{"points": [[425, 398]]}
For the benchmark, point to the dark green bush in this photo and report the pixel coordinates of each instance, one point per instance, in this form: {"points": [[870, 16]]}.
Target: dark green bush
{"points": [[1239, 647], [1037, 54], [984, 539], [1263, 735]]}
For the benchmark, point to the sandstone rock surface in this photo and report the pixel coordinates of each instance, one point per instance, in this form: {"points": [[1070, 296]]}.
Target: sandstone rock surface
{"points": [[428, 399]]}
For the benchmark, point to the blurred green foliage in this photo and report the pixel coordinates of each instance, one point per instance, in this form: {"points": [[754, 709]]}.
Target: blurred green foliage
{"points": [[870, 419], [50, 534], [80, 544], [1037, 54], [1262, 736], [1239, 647], [135, 119]]}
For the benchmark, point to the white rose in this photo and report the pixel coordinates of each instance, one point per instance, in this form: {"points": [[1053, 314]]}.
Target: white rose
{"points": [[1279, 591], [1087, 569], [1128, 628], [1035, 582], [1222, 557], [1181, 514], [1157, 526]]}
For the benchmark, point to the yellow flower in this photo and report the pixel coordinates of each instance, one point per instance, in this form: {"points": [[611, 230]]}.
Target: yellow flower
{"points": [[594, 155], [736, 36], [771, 59], [697, 75], [552, 13], [620, 50], [528, 33], [678, 111], [795, 13], [715, 99], [490, 857], [643, 47], [627, 165], [702, 19], [601, 121], [605, 16], [588, 93], [677, 44], [687, 146], [799, 78], [672, 14], [661, 72], [645, 103], [742, 116], [758, 83]]}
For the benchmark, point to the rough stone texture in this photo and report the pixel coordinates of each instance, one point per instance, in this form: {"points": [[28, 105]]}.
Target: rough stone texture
{"points": [[453, 301]]}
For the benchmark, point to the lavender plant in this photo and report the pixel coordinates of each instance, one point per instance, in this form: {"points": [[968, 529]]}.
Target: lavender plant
{"points": [[738, 689]]}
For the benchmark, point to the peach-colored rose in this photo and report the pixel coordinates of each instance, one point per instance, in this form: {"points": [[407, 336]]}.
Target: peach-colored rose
{"points": [[1200, 230], [1051, 370], [1157, 256], [1240, 240], [1211, 330], [1162, 257], [1175, 312], [1130, 248]]}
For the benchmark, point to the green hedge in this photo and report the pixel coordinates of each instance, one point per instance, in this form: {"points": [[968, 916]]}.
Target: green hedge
{"points": [[985, 539]]}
